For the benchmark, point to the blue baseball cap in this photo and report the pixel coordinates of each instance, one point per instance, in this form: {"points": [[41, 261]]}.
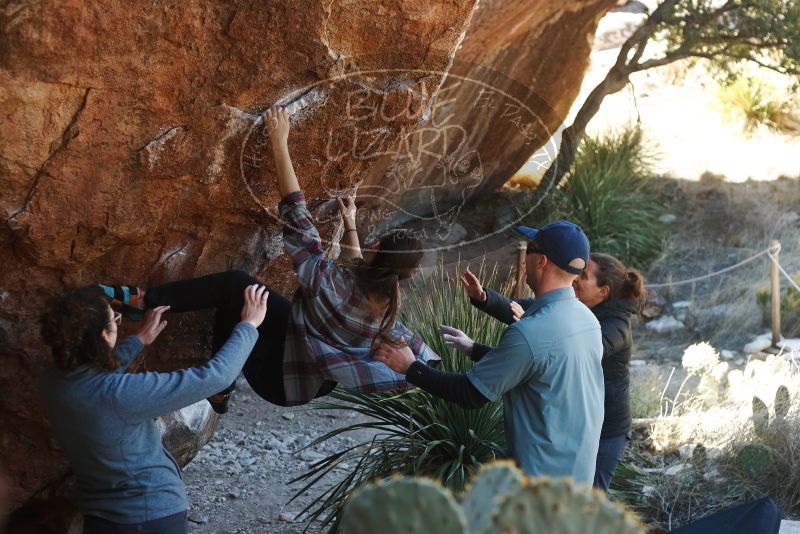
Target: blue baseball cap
{"points": [[562, 242]]}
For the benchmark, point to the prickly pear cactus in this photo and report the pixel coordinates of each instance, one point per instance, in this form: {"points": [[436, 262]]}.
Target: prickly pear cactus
{"points": [[753, 459], [560, 507], [492, 482], [760, 418], [783, 401], [700, 457], [403, 506]]}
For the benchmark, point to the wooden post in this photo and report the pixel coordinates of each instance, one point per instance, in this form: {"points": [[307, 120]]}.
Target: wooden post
{"points": [[775, 281], [519, 291]]}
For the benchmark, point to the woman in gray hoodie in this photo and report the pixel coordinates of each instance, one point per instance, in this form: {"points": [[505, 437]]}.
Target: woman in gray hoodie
{"points": [[104, 418]]}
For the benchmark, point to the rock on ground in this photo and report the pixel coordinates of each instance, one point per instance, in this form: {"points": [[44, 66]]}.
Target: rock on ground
{"points": [[187, 430]]}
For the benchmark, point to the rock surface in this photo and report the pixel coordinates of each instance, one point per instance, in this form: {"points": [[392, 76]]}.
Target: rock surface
{"points": [[131, 149], [510, 87]]}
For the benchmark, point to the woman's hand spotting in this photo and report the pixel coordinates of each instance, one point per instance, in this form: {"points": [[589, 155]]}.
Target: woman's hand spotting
{"points": [[516, 311], [255, 304], [153, 325]]}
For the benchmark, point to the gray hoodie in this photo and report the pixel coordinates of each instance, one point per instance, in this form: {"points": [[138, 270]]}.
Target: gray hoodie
{"points": [[105, 423]]}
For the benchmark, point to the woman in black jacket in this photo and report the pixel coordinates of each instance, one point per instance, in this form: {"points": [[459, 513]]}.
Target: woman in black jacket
{"points": [[614, 293]]}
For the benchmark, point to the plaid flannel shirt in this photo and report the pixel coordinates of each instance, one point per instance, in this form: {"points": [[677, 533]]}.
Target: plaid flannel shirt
{"points": [[329, 335]]}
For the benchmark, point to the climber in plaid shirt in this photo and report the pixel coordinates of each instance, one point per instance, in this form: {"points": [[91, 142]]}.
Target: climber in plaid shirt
{"points": [[341, 311], [331, 329]]}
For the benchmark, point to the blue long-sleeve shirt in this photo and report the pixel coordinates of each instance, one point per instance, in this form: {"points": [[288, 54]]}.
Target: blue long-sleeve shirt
{"points": [[105, 423]]}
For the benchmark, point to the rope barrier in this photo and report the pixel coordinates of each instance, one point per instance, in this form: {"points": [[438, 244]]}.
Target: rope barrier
{"points": [[783, 271], [716, 273]]}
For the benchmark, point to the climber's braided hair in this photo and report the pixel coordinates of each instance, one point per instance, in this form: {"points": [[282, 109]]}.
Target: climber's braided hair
{"points": [[623, 283], [397, 256], [73, 328]]}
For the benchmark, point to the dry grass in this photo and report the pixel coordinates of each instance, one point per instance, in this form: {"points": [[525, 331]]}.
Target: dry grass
{"points": [[755, 103], [721, 224], [734, 437], [647, 384]]}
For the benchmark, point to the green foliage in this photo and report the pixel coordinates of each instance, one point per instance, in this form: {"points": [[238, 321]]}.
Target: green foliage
{"points": [[710, 457], [607, 194], [765, 32], [783, 402], [790, 309], [760, 418], [647, 386], [700, 457], [632, 480], [752, 101], [772, 432], [753, 459], [403, 505], [415, 433], [523, 506]]}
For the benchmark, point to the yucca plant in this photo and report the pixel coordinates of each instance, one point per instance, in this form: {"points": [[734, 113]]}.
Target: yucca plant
{"points": [[415, 433], [608, 196], [756, 103]]}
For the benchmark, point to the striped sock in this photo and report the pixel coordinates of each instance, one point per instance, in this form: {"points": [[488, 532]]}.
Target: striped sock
{"points": [[129, 295]]}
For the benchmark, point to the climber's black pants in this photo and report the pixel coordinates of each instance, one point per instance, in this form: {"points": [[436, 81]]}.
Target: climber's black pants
{"points": [[224, 292]]}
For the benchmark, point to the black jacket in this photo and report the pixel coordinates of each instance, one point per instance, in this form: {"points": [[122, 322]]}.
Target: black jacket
{"points": [[615, 323]]}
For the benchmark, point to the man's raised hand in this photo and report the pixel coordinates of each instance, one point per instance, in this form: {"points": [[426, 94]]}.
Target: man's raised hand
{"points": [[398, 357], [153, 325], [473, 286], [255, 304]]}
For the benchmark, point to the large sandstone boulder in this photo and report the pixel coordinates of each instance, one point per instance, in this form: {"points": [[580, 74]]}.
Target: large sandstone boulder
{"points": [[131, 149]]}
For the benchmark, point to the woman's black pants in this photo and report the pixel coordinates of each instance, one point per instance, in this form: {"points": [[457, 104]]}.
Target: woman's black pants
{"points": [[173, 524], [224, 292]]}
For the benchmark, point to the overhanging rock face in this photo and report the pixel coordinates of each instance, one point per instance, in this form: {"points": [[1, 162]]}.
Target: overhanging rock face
{"points": [[131, 149], [509, 88]]}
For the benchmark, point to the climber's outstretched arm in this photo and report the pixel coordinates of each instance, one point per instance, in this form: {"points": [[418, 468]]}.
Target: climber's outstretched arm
{"points": [[276, 120]]}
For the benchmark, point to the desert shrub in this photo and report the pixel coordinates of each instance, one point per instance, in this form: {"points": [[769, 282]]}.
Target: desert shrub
{"points": [[607, 194], [415, 433], [755, 103], [647, 384], [734, 437], [790, 309]]}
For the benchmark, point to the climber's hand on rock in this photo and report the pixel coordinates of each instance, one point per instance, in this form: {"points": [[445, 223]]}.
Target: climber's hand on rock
{"points": [[276, 120], [347, 207]]}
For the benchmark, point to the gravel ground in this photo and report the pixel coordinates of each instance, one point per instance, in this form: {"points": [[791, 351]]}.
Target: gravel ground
{"points": [[238, 483]]}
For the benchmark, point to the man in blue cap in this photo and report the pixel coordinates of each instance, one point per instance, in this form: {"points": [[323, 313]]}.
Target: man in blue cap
{"points": [[546, 367]]}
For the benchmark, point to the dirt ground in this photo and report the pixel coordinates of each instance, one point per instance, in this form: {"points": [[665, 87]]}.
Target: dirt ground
{"points": [[238, 483]]}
